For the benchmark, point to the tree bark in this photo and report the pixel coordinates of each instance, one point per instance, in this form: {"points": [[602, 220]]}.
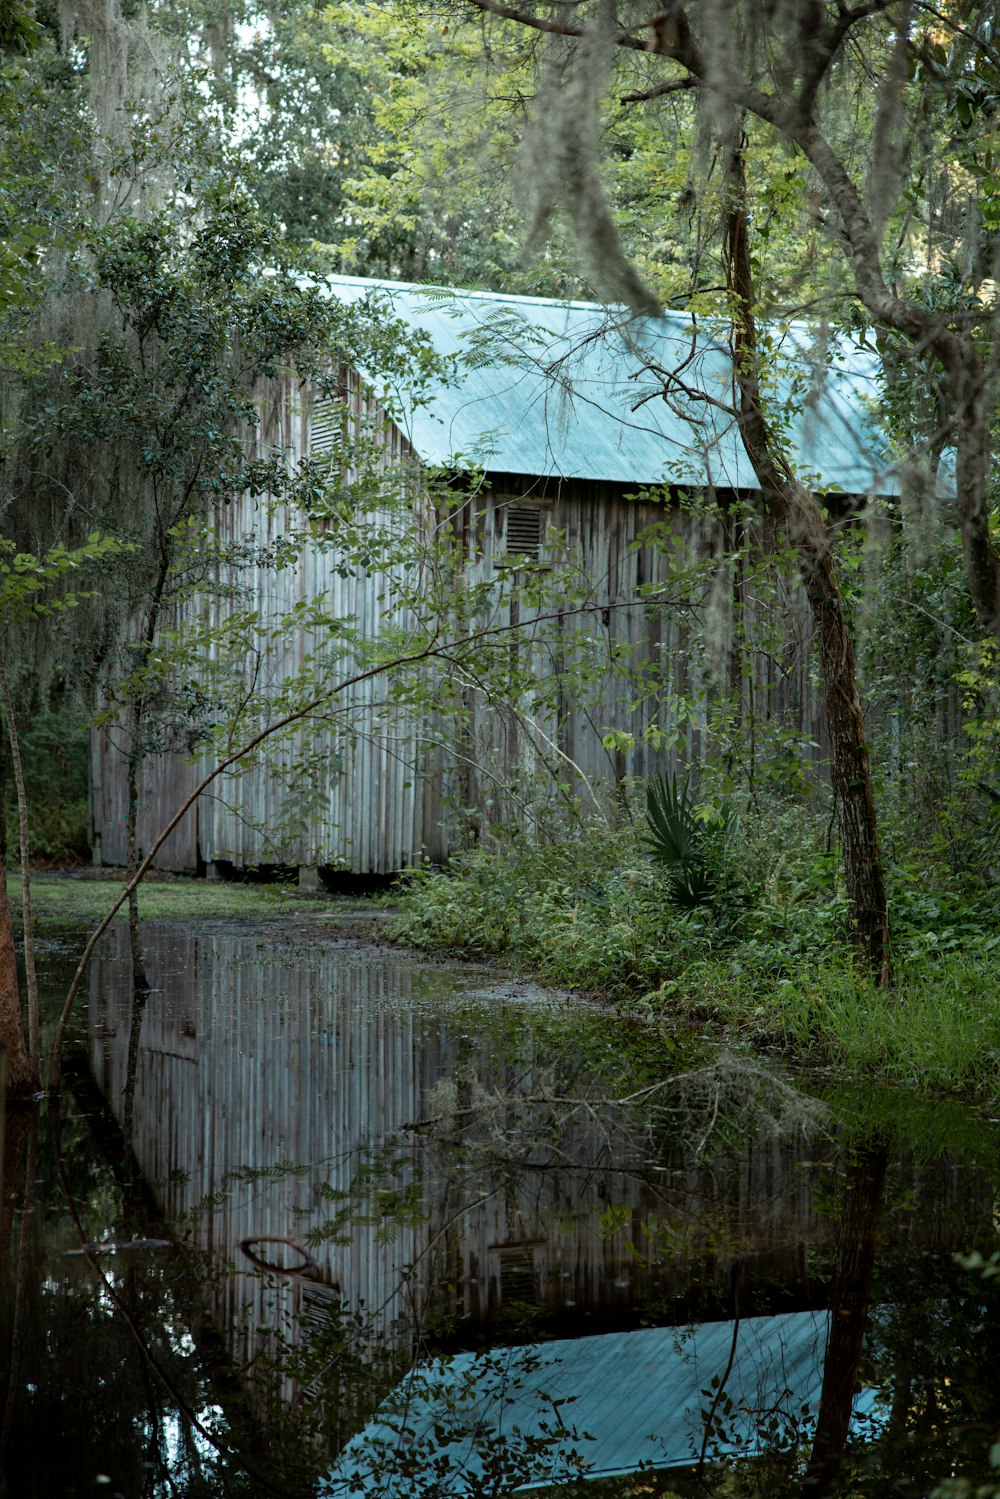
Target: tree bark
{"points": [[808, 532], [21, 1079], [140, 983], [136, 717], [28, 937], [140, 995]]}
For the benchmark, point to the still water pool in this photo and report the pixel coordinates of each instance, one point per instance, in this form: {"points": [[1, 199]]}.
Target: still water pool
{"points": [[316, 1218]]}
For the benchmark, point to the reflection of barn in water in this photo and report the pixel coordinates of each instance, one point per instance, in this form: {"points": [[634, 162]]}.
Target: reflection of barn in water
{"points": [[263, 1074]]}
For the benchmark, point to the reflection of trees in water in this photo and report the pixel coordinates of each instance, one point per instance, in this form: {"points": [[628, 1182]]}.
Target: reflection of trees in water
{"points": [[80, 1396], [934, 1349], [536, 1173], [446, 1169], [517, 1141], [121, 1370], [849, 1296], [20, 1137], [462, 1176]]}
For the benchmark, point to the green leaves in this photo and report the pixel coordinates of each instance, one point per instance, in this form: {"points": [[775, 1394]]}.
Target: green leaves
{"points": [[27, 580], [681, 835]]}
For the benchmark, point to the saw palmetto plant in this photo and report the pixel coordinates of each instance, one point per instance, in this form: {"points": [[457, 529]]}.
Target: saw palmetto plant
{"points": [[683, 835]]}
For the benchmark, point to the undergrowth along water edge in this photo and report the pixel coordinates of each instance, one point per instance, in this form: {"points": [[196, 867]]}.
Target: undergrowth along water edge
{"points": [[766, 960]]}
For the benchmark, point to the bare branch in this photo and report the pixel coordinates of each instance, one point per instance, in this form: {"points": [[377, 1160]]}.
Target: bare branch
{"points": [[675, 86], [624, 38], [436, 650], [525, 18], [823, 49]]}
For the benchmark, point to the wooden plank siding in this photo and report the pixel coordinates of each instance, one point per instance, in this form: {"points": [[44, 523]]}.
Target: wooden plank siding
{"points": [[389, 787], [266, 1075], [262, 1080]]}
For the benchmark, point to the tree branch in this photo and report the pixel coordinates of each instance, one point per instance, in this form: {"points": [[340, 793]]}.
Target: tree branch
{"points": [[675, 86], [625, 38], [436, 649], [823, 49], [970, 36]]}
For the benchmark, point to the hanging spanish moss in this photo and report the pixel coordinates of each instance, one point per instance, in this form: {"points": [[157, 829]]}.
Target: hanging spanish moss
{"points": [[126, 64], [562, 154], [888, 141]]}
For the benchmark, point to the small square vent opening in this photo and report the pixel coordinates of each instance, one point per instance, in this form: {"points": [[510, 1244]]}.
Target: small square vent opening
{"points": [[514, 1272], [326, 421], [525, 531]]}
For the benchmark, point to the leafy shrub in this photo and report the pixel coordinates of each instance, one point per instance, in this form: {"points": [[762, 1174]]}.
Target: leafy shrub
{"points": [[768, 955], [598, 911], [54, 750], [689, 839]]}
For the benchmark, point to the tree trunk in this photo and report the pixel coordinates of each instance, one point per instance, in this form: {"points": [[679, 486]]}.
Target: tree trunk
{"points": [[136, 726], [28, 938], [139, 997], [21, 1079], [806, 529], [975, 400], [850, 1289], [140, 983]]}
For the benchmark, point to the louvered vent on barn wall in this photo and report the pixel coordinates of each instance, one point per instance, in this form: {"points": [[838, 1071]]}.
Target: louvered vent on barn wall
{"points": [[525, 531], [516, 1274], [325, 425]]}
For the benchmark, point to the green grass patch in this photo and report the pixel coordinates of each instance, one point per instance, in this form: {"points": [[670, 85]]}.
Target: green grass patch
{"points": [[71, 900], [938, 1029]]}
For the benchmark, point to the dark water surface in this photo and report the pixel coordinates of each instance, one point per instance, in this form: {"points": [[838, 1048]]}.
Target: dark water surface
{"points": [[363, 1225]]}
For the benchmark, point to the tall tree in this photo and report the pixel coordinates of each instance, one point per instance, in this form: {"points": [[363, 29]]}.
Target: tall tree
{"points": [[809, 533], [784, 87], [175, 300], [902, 172], [564, 150]]}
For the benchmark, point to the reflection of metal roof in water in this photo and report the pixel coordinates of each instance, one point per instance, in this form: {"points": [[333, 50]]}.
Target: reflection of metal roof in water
{"points": [[576, 391], [592, 1407]]}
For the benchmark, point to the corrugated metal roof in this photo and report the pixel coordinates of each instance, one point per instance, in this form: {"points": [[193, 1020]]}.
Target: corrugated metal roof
{"points": [[593, 1406], [574, 390]]}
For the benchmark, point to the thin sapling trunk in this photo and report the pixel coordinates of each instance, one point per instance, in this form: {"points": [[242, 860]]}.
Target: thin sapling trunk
{"points": [[140, 982], [136, 727], [30, 973]]}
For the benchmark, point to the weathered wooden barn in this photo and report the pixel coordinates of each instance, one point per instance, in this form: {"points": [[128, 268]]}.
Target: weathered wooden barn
{"points": [[583, 471]]}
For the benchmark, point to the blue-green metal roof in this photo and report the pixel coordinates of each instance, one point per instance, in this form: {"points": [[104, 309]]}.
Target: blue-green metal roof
{"points": [[574, 390], [593, 1407]]}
